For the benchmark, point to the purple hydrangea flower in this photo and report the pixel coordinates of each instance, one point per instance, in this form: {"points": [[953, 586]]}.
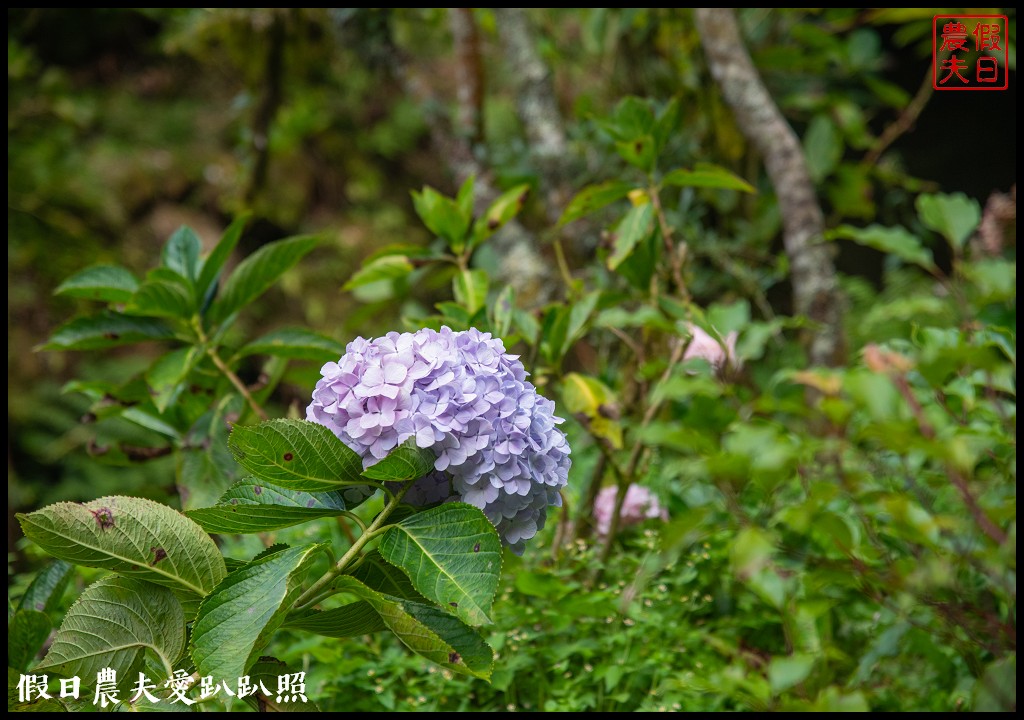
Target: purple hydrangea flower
{"points": [[640, 504], [460, 394]]}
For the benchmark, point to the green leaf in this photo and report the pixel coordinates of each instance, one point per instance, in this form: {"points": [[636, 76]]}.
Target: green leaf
{"points": [[106, 329], [579, 314], [45, 591], [295, 343], [267, 670], [823, 147], [633, 228], [594, 197], [296, 454], [452, 554], [181, 253], [237, 620], [389, 267], [639, 151], [428, 631], [107, 283], [996, 689], [38, 704], [597, 402], [470, 289], [954, 216], [708, 176], [464, 197], [26, 633], [785, 672], [253, 506], [161, 298], [504, 306], [380, 575], [214, 263], [132, 536], [506, 207], [258, 272], [353, 620], [405, 462], [167, 375], [443, 216], [893, 240], [115, 623]]}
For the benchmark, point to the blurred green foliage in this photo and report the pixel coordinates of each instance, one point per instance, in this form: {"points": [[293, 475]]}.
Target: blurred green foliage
{"points": [[838, 539]]}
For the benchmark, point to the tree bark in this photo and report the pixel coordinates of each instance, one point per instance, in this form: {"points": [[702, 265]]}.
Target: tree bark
{"points": [[815, 289]]}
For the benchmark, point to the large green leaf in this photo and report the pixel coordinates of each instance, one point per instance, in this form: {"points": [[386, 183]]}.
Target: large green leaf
{"points": [[113, 624], [954, 216], [236, 621], [105, 329], [214, 263], [445, 217], [258, 272], [506, 207], [378, 574], [633, 228], [388, 267], [594, 197], [428, 631], [709, 176], [158, 297], [45, 591], [470, 289], [893, 240], [131, 536], [296, 454], [353, 620], [181, 253], [253, 506], [295, 343], [405, 462], [108, 283], [452, 554], [26, 633]]}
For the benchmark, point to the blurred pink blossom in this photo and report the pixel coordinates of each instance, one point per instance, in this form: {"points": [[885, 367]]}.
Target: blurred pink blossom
{"points": [[704, 346], [640, 505]]}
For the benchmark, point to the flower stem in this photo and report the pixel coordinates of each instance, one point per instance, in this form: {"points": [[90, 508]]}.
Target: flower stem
{"points": [[228, 372]]}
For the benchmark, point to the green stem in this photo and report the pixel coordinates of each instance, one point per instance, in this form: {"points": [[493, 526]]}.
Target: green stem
{"points": [[312, 593], [227, 371]]}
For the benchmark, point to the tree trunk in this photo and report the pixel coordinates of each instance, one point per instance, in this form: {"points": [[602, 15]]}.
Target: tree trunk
{"points": [[815, 289]]}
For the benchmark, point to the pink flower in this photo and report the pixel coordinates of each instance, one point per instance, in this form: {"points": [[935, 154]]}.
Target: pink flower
{"points": [[640, 505], [704, 346]]}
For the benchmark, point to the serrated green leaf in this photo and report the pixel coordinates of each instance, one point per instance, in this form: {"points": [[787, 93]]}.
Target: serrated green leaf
{"points": [[167, 375], [633, 228], [470, 289], [106, 329], [353, 620], [428, 631], [132, 536], [953, 216], [504, 306], [452, 554], [597, 402], [638, 151], [45, 591], [181, 253], [389, 267], [258, 272], [405, 462], [113, 624], [253, 506], [380, 575], [709, 176], [267, 670], [296, 454], [214, 262], [506, 207], [296, 343], [443, 216], [237, 620], [594, 197], [161, 298], [107, 283], [26, 633], [893, 240]]}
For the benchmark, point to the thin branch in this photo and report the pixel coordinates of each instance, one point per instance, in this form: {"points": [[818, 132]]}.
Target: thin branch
{"points": [[237, 382], [903, 123], [815, 287]]}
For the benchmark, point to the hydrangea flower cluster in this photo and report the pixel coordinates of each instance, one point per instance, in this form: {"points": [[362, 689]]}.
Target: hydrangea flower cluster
{"points": [[640, 504], [460, 394]]}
